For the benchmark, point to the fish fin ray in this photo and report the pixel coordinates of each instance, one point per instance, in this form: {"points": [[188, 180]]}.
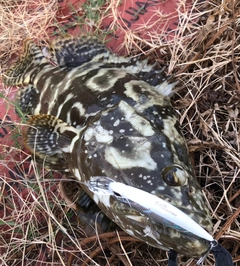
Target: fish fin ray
{"points": [[150, 73], [48, 135], [75, 51]]}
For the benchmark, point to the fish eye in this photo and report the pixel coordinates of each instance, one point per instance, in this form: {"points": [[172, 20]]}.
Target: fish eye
{"points": [[174, 175]]}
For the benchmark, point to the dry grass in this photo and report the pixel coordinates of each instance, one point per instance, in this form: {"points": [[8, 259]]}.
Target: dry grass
{"points": [[37, 226], [23, 19]]}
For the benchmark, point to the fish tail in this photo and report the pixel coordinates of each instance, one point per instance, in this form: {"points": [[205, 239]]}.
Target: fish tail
{"points": [[18, 74]]}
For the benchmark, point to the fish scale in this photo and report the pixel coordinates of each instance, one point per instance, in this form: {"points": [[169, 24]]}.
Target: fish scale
{"points": [[107, 115]]}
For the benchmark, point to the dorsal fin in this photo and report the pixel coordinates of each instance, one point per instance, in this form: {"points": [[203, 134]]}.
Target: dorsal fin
{"points": [[17, 75], [48, 135], [75, 51], [72, 52]]}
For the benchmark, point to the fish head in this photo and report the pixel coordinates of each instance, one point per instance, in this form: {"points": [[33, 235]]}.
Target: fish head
{"points": [[122, 144]]}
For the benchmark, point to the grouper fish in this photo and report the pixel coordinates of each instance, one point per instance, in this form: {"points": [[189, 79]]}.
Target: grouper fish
{"points": [[96, 115]]}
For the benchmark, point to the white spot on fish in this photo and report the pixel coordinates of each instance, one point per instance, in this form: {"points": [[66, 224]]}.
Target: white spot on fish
{"points": [[116, 123]]}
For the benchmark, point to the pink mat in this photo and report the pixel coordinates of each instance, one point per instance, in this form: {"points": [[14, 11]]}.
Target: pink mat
{"points": [[142, 18]]}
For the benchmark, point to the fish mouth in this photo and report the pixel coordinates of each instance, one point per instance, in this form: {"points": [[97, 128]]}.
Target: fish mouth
{"points": [[152, 207], [137, 213]]}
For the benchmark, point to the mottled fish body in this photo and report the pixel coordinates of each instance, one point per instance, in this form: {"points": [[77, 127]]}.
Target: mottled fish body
{"points": [[97, 114]]}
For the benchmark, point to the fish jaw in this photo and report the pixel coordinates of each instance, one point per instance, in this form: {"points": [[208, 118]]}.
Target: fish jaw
{"points": [[152, 232]]}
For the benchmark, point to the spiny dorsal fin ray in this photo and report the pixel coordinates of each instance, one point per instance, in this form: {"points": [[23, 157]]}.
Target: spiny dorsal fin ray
{"points": [[48, 135], [72, 52], [32, 56]]}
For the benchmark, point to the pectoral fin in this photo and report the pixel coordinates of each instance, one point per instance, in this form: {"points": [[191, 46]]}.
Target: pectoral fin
{"points": [[49, 138]]}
